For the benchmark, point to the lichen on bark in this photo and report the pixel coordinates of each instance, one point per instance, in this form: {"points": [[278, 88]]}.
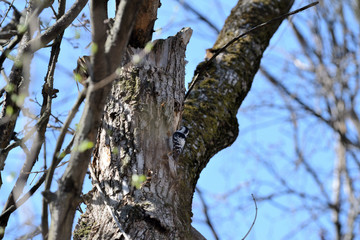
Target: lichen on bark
{"points": [[211, 107]]}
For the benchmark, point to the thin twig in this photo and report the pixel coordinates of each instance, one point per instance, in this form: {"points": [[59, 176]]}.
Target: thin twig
{"points": [[279, 18], [57, 156], [206, 212], [8, 10], [50, 34], [10, 47], [256, 209], [7, 80], [46, 170], [307, 108], [40, 128], [23, 199], [201, 16], [37, 185], [70, 130]]}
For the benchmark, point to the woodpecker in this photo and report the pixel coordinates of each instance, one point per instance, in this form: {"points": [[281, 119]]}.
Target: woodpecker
{"points": [[178, 141]]}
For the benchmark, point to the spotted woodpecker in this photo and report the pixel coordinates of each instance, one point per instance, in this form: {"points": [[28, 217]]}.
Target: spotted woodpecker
{"points": [[178, 141]]}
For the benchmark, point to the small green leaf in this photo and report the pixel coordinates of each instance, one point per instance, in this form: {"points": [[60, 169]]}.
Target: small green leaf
{"points": [[14, 97], [62, 155], [77, 77], [137, 180], [10, 177], [148, 47], [9, 56], [77, 35], [94, 48], [84, 145], [18, 99], [10, 87], [9, 111], [115, 150], [21, 28], [18, 63]]}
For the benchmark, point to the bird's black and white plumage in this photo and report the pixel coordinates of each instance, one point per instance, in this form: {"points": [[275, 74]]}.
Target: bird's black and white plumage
{"points": [[178, 141]]}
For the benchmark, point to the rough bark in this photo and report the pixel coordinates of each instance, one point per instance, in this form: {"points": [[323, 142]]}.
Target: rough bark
{"points": [[144, 109], [211, 108]]}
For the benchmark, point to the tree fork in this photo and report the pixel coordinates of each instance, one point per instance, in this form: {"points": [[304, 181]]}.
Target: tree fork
{"points": [[140, 117]]}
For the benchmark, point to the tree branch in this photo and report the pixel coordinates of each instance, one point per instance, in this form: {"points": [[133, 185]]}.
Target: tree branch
{"points": [[206, 213], [41, 126], [98, 14], [59, 26], [201, 16], [120, 34], [253, 29], [253, 223], [67, 198], [32, 190], [144, 24], [308, 108], [20, 75], [211, 107]]}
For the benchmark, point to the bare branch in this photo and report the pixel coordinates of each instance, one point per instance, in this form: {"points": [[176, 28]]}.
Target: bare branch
{"points": [[57, 156], [11, 5], [48, 94], [119, 37], [201, 16], [256, 209], [207, 215], [32, 190], [59, 26], [307, 108], [253, 29], [66, 201]]}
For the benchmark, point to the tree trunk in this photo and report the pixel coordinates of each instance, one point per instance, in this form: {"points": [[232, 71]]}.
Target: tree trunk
{"points": [[144, 109]]}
